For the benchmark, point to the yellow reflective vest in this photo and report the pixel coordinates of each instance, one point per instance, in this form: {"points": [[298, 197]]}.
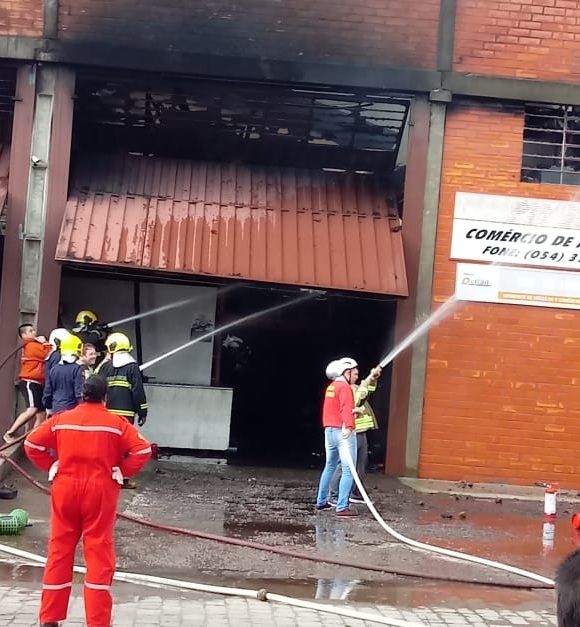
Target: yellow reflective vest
{"points": [[367, 419]]}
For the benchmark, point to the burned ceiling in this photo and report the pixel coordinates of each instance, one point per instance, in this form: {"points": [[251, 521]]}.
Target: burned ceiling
{"points": [[236, 122]]}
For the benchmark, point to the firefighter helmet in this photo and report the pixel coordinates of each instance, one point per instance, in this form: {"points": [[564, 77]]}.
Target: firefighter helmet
{"points": [[56, 336], [86, 317], [71, 346], [344, 364], [118, 342], [331, 370]]}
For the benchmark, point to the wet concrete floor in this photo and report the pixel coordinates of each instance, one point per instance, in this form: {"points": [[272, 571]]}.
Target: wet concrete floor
{"points": [[275, 507]]}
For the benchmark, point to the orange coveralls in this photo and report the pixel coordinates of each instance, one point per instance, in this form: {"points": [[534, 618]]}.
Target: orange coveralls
{"points": [[89, 441]]}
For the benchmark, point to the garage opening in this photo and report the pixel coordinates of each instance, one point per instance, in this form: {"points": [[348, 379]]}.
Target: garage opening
{"points": [[274, 365], [182, 186]]}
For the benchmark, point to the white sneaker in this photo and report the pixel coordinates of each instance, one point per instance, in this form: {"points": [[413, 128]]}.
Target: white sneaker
{"points": [[332, 502], [354, 500]]}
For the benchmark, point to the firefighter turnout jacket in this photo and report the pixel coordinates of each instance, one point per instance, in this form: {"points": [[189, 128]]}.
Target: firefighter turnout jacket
{"points": [[365, 420], [94, 334], [125, 391]]}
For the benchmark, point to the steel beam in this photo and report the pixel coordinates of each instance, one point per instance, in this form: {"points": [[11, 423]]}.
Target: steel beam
{"points": [[50, 30], [425, 284], [33, 228], [56, 194], [414, 198], [446, 35]]}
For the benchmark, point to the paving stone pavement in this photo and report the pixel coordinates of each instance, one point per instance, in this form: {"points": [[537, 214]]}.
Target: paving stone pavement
{"points": [[137, 608]]}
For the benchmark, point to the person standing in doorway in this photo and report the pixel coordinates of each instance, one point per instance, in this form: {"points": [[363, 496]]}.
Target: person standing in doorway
{"points": [[94, 450], [31, 378], [365, 420], [339, 437]]}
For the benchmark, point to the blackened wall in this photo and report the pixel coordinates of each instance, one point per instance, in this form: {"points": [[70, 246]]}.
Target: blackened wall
{"points": [[385, 32]]}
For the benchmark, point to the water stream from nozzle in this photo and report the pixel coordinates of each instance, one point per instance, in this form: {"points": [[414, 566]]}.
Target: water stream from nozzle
{"points": [[433, 319], [225, 327], [174, 305]]}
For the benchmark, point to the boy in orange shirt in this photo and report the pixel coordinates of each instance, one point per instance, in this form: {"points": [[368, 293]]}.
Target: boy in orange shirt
{"points": [[31, 378]]}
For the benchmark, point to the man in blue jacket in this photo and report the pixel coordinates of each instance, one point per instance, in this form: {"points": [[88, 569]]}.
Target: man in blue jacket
{"points": [[63, 389]]}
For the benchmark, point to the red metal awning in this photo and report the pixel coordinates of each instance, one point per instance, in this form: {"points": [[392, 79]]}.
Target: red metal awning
{"points": [[279, 225]]}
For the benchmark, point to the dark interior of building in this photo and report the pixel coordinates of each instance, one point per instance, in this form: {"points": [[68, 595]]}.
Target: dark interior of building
{"points": [[278, 371]]}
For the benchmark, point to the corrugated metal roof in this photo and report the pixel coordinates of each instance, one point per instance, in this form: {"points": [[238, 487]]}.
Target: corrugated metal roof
{"points": [[280, 225]]}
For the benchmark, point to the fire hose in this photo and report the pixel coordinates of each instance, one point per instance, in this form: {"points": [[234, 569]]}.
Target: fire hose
{"points": [[540, 582], [259, 595]]}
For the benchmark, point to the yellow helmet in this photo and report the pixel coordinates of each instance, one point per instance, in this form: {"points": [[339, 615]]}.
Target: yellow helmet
{"points": [[86, 317], [71, 346], [118, 342]]}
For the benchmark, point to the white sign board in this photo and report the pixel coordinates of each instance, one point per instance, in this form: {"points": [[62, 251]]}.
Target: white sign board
{"points": [[517, 286], [516, 231]]}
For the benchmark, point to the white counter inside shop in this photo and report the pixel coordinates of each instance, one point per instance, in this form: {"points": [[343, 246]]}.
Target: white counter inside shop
{"points": [[188, 416]]}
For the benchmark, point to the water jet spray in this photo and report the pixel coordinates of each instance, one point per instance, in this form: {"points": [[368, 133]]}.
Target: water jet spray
{"points": [[225, 327], [168, 307], [433, 319]]}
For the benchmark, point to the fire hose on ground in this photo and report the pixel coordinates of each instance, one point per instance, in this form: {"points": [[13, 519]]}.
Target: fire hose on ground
{"points": [[540, 581], [259, 595], [201, 535]]}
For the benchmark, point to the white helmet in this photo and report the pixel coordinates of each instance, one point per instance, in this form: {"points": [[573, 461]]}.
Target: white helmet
{"points": [[331, 370], [56, 337], [344, 364]]}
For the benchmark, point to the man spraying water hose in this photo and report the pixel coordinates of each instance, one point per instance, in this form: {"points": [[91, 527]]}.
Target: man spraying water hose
{"points": [[338, 422], [365, 420], [91, 331]]}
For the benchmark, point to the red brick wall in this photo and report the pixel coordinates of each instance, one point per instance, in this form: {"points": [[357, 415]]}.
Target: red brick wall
{"points": [[502, 398], [377, 31], [25, 17], [519, 38]]}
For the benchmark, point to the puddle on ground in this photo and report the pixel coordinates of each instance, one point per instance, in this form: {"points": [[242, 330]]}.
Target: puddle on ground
{"points": [[252, 528], [400, 591], [530, 542], [19, 573]]}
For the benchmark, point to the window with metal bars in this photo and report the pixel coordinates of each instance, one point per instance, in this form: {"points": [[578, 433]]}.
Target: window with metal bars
{"points": [[551, 145]]}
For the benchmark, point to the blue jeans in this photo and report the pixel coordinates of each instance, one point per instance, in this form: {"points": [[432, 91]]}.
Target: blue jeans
{"points": [[336, 448]]}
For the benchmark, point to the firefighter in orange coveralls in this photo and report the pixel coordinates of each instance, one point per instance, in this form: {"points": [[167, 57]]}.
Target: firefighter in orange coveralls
{"points": [[95, 449]]}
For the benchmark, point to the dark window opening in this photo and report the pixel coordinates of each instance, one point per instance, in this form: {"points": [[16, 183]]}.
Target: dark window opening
{"points": [[551, 145], [240, 122]]}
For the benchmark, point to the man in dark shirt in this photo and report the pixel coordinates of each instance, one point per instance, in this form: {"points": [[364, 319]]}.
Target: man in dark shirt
{"points": [[63, 389]]}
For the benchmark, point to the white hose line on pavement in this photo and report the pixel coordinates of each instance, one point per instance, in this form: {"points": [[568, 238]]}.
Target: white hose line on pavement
{"points": [[430, 547], [259, 595]]}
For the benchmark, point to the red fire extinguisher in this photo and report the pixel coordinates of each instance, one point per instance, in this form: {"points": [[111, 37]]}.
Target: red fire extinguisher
{"points": [[550, 500]]}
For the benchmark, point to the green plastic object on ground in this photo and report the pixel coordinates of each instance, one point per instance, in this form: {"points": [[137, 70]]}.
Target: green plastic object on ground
{"points": [[13, 523]]}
